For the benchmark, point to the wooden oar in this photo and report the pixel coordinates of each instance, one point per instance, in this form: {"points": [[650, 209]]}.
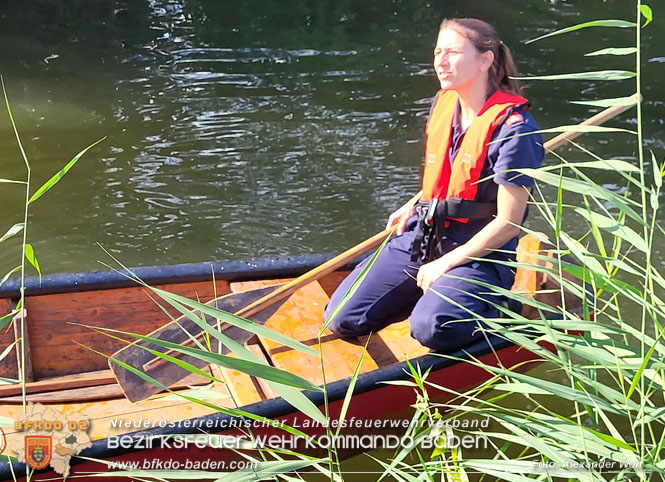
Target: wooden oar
{"points": [[141, 389]]}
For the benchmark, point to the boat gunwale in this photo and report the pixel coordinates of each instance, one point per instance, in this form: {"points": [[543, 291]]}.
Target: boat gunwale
{"points": [[239, 270]]}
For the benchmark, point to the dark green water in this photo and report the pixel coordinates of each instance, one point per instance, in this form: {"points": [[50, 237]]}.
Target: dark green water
{"points": [[261, 128], [258, 129]]}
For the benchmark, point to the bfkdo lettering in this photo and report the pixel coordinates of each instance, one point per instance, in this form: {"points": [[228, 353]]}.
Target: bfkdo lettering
{"points": [[51, 425]]}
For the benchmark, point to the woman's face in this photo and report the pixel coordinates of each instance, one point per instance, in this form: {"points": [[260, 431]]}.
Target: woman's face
{"points": [[457, 63]]}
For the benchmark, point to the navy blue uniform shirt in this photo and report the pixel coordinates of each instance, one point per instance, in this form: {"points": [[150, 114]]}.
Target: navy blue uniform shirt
{"points": [[509, 153]]}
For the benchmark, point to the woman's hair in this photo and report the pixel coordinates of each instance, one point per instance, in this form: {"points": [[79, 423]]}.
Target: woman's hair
{"points": [[483, 37]]}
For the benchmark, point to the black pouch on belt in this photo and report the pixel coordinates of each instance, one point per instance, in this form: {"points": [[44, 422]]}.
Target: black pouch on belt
{"points": [[432, 222]]}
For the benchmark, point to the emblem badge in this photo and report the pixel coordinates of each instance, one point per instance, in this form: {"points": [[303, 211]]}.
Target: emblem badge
{"points": [[467, 158], [431, 157], [38, 450]]}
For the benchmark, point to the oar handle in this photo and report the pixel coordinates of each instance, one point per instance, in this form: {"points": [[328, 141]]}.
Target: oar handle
{"points": [[595, 120]]}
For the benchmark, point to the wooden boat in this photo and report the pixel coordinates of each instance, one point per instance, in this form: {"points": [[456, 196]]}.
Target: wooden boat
{"points": [[62, 373]]}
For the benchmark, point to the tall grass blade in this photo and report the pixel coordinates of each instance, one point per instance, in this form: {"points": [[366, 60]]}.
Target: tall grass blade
{"points": [[32, 259], [612, 51], [232, 319], [290, 394], [349, 391], [605, 164], [256, 369], [9, 273], [657, 172], [584, 187], [61, 173], [612, 226], [640, 371], [8, 350], [11, 119], [647, 13], [597, 75], [571, 128], [13, 231], [630, 100], [355, 285], [9, 181], [4, 320], [579, 26]]}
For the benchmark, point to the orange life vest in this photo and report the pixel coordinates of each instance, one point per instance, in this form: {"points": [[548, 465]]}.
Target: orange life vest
{"points": [[439, 182]]}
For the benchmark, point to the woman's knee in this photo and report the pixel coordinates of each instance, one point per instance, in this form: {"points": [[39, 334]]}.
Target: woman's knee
{"points": [[439, 331], [342, 322]]}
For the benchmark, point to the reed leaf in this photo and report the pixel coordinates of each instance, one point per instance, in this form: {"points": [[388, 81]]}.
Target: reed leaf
{"points": [[571, 128], [5, 319], [13, 231], [61, 173], [290, 394], [657, 172], [198, 394], [32, 259], [558, 390], [585, 187], [523, 388], [6, 421], [614, 164], [630, 100], [567, 434], [233, 412], [9, 273], [9, 348], [260, 370], [613, 51], [355, 285], [349, 391], [594, 75], [612, 226], [640, 372], [232, 319], [647, 13], [579, 26]]}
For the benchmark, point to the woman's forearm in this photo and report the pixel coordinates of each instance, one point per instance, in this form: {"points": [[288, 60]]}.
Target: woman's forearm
{"points": [[493, 236]]}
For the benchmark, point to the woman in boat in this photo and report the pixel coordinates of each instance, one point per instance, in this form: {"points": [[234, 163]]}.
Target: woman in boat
{"points": [[437, 270]]}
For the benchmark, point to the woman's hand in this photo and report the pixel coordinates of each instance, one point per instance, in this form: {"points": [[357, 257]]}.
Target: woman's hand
{"points": [[400, 218], [511, 203], [432, 271]]}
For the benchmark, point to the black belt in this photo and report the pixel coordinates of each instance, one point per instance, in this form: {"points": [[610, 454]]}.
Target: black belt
{"points": [[432, 220]]}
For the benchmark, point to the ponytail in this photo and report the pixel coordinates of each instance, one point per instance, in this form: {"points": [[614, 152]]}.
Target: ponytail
{"points": [[484, 38]]}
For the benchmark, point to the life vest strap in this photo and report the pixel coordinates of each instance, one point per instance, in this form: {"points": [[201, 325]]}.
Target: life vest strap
{"points": [[433, 220]]}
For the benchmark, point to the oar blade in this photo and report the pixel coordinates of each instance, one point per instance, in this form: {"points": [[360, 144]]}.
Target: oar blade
{"points": [[179, 331]]}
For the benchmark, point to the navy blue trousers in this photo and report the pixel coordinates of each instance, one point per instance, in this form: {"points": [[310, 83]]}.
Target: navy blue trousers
{"points": [[390, 294]]}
